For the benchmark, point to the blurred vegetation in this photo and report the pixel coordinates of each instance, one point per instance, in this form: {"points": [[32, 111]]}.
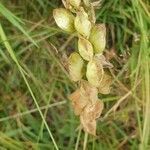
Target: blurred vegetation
{"points": [[35, 112]]}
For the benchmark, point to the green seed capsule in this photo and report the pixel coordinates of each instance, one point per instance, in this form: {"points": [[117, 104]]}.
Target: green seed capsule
{"points": [[98, 38], [94, 73], [75, 3], [76, 66], [85, 49], [82, 23], [64, 19]]}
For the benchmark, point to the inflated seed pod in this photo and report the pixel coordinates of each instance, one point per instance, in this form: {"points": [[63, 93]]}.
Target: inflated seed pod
{"points": [[82, 23], [98, 38], [75, 66], [94, 73], [104, 87], [85, 48], [64, 19], [88, 117], [75, 3]]}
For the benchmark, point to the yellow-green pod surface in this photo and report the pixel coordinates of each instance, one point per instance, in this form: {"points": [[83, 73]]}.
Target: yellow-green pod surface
{"points": [[94, 73], [76, 66], [85, 49], [64, 19], [98, 38], [82, 23]]}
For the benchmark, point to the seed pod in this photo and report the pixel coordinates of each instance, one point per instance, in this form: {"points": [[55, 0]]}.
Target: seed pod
{"points": [[85, 49], [93, 111], [85, 95], [98, 38], [89, 115], [94, 73], [64, 19], [88, 126], [88, 91], [75, 3], [82, 23], [75, 66], [79, 101], [104, 87]]}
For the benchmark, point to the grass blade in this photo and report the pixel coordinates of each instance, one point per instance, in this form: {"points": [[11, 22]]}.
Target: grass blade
{"points": [[15, 21], [9, 49]]}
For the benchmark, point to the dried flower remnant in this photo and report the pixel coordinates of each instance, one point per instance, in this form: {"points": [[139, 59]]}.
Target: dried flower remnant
{"points": [[79, 17], [101, 60]]}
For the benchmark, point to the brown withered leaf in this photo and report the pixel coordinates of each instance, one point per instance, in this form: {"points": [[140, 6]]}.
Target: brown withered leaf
{"points": [[104, 87], [89, 115]]}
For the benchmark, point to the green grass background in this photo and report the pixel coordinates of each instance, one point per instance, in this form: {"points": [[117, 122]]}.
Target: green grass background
{"points": [[35, 113]]}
